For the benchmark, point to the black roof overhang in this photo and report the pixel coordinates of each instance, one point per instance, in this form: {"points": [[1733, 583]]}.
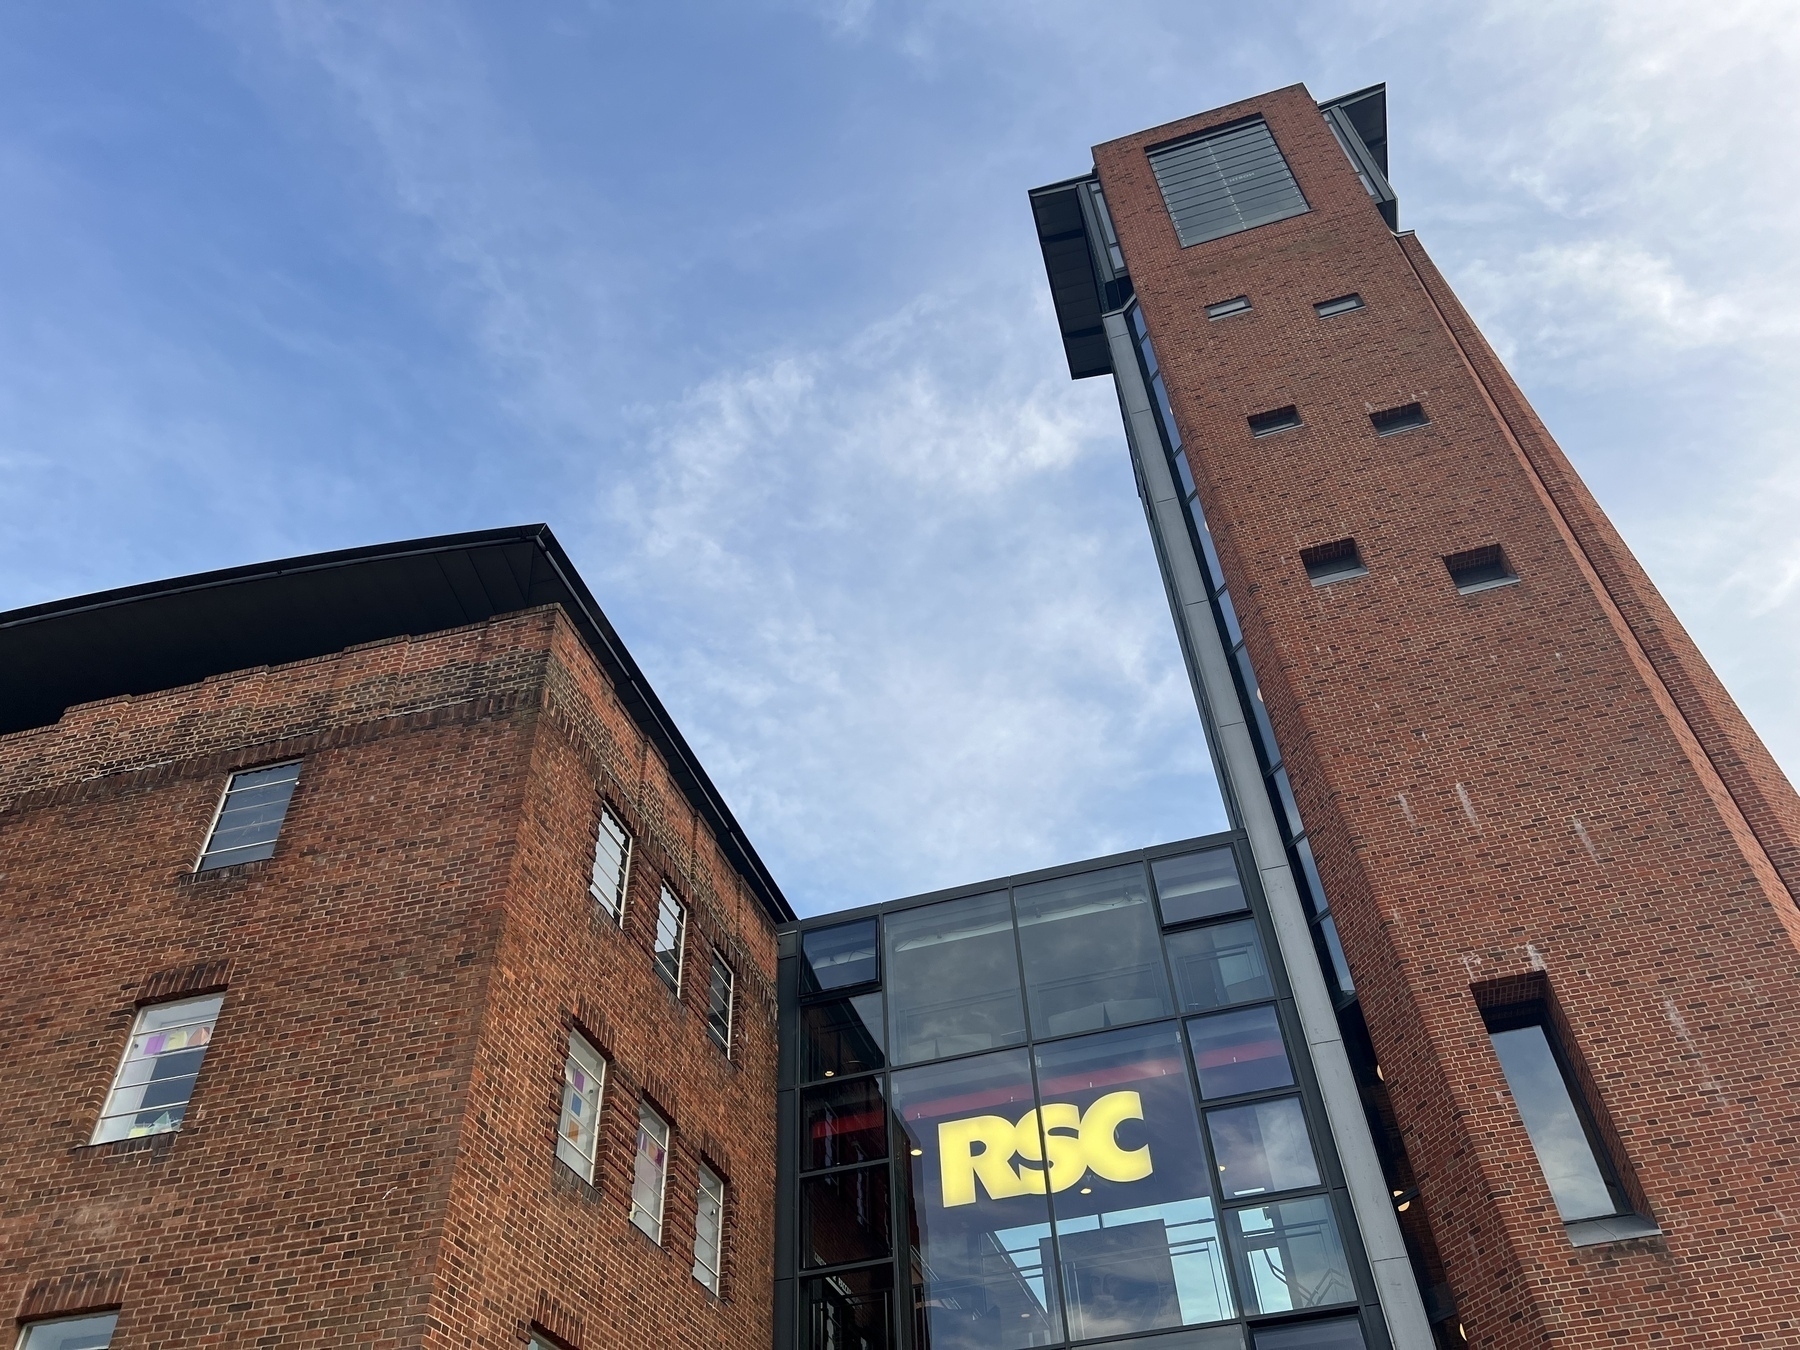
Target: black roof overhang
{"points": [[172, 633], [1074, 284]]}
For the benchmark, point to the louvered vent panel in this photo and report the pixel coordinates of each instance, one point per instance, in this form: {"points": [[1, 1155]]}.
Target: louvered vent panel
{"points": [[1226, 181]]}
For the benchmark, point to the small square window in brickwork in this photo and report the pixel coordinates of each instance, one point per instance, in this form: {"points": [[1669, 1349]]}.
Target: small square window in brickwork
{"points": [[718, 1003], [612, 865], [650, 1173], [249, 816], [671, 936], [1389, 421], [1276, 419], [1480, 569], [1336, 561], [1342, 305], [90, 1331], [156, 1079], [1226, 308], [577, 1134]]}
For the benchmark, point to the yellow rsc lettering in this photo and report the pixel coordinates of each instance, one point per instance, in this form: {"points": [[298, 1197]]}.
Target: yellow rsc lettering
{"points": [[1060, 1153], [1100, 1138], [960, 1161]]}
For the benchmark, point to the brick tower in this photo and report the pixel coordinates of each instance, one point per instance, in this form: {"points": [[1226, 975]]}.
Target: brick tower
{"points": [[1548, 868], [382, 970]]}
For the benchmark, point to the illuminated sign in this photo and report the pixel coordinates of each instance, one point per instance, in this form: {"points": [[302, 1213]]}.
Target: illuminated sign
{"points": [[1073, 1143]]}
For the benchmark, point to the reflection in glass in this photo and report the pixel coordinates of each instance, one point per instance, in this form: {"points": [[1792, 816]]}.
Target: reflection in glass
{"points": [[844, 1217], [1196, 1338], [1133, 1206], [1091, 952], [1262, 1146], [838, 957], [978, 1226], [851, 1310], [842, 1123], [1289, 1256], [1239, 1052], [841, 1037], [1542, 1093], [1198, 885], [1219, 966], [1339, 1333], [953, 979], [92, 1331], [1334, 950]]}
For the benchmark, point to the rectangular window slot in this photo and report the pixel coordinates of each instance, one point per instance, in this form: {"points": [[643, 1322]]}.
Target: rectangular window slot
{"points": [[1404, 418], [584, 1078], [249, 816], [1226, 308], [1339, 561], [650, 1173], [671, 937], [1226, 180], [89, 1331], [1276, 419], [612, 866], [156, 1078], [1480, 569], [1342, 305], [709, 1228], [718, 1003]]}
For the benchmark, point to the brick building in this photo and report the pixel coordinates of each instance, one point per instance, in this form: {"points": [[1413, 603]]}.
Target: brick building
{"points": [[1548, 868], [467, 879]]}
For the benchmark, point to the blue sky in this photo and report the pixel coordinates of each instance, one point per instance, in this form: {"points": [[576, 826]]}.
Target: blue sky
{"points": [[743, 299]]}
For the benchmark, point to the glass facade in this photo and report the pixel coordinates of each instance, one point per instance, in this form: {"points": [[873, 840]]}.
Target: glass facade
{"points": [[1073, 1109]]}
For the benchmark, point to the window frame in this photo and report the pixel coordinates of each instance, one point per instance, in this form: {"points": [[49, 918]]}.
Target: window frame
{"points": [[717, 1193], [137, 1031], [28, 1327], [614, 911], [721, 1038], [646, 1114], [599, 1070], [667, 901], [206, 849]]}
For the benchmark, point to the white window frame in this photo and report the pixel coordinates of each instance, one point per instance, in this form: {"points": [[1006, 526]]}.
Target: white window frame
{"points": [[650, 1174], [667, 902], [611, 827], [719, 963], [29, 1329], [583, 1057], [709, 1254], [199, 1014], [206, 848]]}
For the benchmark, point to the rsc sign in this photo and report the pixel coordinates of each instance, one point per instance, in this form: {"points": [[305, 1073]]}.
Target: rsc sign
{"points": [[1072, 1144]]}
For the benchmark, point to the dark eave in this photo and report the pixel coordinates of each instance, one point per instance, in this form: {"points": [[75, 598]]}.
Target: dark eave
{"points": [[1074, 282], [171, 633]]}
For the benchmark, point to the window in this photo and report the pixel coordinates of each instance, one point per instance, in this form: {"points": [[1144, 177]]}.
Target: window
{"points": [[1404, 418], [671, 934], [1480, 569], [1223, 181], [90, 1331], [650, 1173], [1289, 1256], [1326, 563], [1562, 1133], [1342, 305], [718, 1004], [1276, 419], [1238, 1052], [151, 1090], [249, 816], [1090, 948], [612, 865], [1219, 966], [952, 979], [850, 1310], [841, 1037], [838, 957], [709, 1228], [1198, 886], [1226, 308], [842, 1123], [844, 1217], [1262, 1146], [584, 1077], [1337, 1333]]}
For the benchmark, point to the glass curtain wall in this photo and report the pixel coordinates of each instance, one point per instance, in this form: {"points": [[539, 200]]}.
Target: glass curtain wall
{"points": [[1069, 1111]]}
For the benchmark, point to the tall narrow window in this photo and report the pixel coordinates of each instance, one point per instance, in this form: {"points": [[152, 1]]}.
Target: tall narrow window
{"points": [[671, 933], [584, 1077], [150, 1092], [90, 1331], [249, 816], [718, 1003], [612, 865], [1558, 1122], [650, 1174], [709, 1228]]}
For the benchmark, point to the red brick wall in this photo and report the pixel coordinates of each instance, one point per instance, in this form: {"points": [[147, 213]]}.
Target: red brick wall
{"points": [[1544, 778], [368, 1159]]}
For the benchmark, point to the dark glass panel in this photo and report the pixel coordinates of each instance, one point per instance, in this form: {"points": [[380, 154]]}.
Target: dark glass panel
{"points": [[840, 1038], [1289, 1256], [1334, 952], [1239, 1051], [1219, 965], [1265, 732], [1092, 958], [1337, 1333], [1301, 851], [953, 979], [842, 1123], [851, 1310], [1564, 1153], [1136, 1227], [1198, 885], [1262, 1146], [1194, 1338], [838, 957], [844, 1217], [977, 1218]]}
